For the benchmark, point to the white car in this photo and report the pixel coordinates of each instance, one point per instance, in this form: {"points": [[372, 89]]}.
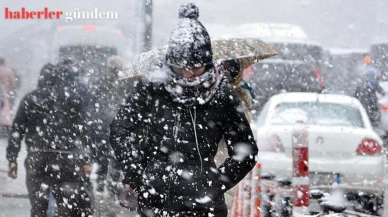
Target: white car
{"points": [[342, 144]]}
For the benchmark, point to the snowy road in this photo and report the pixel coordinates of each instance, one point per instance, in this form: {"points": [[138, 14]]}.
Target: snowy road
{"points": [[13, 193], [14, 207], [20, 207]]}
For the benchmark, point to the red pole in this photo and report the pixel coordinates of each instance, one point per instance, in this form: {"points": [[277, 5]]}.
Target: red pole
{"points": [[300, 167], [247, 186], [236, 203], [256, 191], [240, 200]]}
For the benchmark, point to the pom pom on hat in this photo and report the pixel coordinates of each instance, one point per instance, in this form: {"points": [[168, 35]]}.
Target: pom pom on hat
{"points": [[189, 45], [188, 10]]}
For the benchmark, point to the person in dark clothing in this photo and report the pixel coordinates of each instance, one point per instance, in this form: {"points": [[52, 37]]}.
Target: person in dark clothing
{"points": [[109, 94], [116, 93], [166, 135], [235, 72], [7, 81], [15, 87], [51, 121], [366, 94], [100, 131]]}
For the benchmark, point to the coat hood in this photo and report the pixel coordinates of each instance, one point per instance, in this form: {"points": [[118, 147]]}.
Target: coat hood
{"points": [[51, 75]]}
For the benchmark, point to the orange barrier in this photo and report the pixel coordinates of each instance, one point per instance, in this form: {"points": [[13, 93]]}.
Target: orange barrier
{"points": [[256, 191], [247, 186], [246, 202], [241, 204], [237, 203]]}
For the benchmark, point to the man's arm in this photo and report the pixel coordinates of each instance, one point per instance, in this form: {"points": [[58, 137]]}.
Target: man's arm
{"points": [[129, 136], [242, 148], [16, 136]]}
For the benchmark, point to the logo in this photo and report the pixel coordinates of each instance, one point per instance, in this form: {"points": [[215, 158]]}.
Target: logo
{"points": [[69, 16], [24, 14]]}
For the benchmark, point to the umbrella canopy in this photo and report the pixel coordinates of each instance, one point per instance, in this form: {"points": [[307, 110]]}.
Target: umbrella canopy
{"points": [[247, 50], [241, 48], [144, 63]]}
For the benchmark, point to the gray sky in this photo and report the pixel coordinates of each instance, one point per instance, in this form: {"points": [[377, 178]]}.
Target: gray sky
{"points": [[333, 23]]}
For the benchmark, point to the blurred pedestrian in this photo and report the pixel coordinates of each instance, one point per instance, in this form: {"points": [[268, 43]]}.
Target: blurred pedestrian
{"points": [[366, 94], [7, 80], [15, 87], [113, 88], [166, 136], [361, 69], [50, 118], [110, 96], [235, 72], [118, 95]]}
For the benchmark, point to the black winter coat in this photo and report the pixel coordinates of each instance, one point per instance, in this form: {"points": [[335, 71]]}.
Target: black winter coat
{"points": [[167, 150], [50, 118]]}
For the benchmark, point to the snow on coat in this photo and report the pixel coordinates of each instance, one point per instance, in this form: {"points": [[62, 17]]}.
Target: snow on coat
{"points": [[50, 118], [167, 149]]}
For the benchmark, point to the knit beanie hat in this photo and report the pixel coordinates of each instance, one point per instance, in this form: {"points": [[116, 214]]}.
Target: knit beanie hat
{"points": [[189, 45]]}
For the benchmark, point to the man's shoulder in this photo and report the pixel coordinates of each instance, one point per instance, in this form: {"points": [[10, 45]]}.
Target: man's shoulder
{"points": [[147, 86], [34, 94], [225, 94]]}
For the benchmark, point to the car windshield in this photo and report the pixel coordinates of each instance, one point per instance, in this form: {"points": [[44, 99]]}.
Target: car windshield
{"points": [[312, 113], [298, 51], [270, 78], [283, 73]]}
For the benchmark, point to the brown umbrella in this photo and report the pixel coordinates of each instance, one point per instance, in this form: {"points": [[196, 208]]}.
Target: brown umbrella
{"points": [[247, 50], [242, 48], [144, 63]]}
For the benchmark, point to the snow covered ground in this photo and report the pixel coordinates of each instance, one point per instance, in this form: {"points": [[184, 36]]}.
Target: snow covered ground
{"points": [[13, 193]]}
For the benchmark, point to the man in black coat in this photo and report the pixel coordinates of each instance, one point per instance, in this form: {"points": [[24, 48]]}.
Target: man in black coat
{"points": [[166, 136], [50, 118]]}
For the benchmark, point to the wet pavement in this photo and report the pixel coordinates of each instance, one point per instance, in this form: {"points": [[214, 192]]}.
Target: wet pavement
{"points": [[8, 186], [109, 208], [14, 207], [20, 207], [13, 193]]}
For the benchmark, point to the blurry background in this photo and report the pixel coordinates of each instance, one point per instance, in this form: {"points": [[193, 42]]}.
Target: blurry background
{"points": [[342, 29], [333, 23]]}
